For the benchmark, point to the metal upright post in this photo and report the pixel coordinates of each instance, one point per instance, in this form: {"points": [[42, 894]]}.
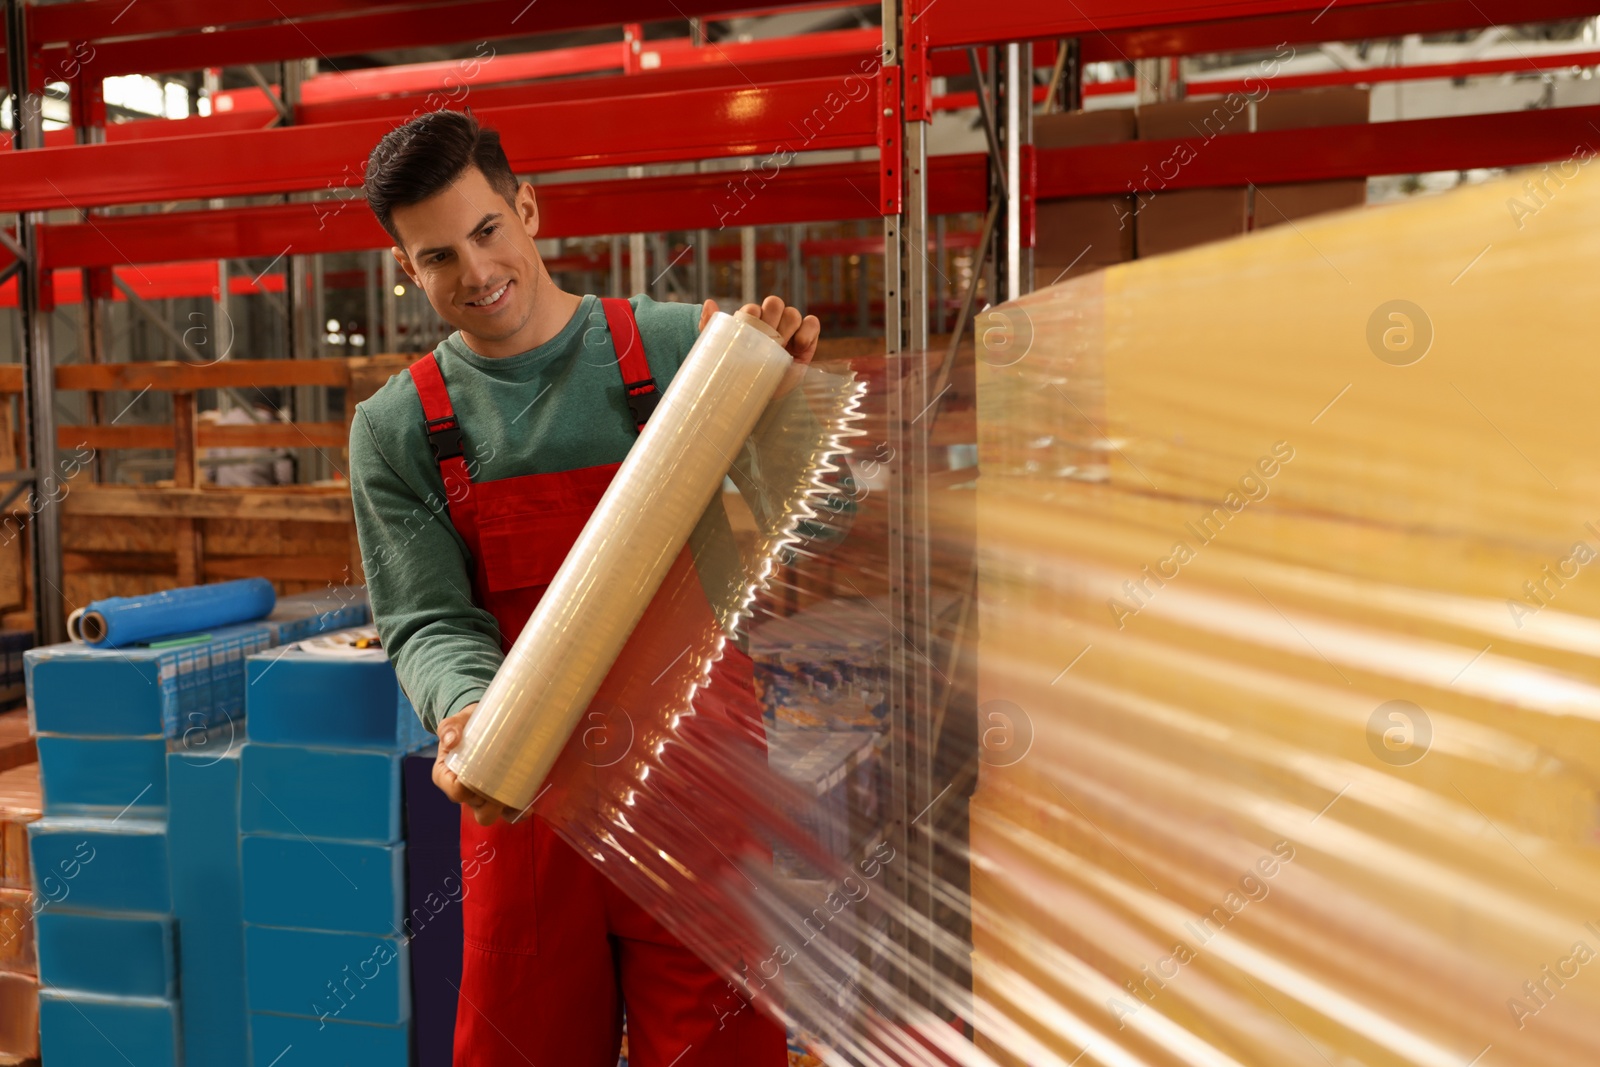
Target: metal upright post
{"points": [[638, 257], [749, 267], [374, 299], [660, 283], [1014, 123], [49, 617], [391, 273], [638, 262], [911, 743], [797, 268]]}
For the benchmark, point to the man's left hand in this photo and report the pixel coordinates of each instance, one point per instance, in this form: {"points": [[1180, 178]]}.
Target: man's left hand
{"points": [[799, 333]]}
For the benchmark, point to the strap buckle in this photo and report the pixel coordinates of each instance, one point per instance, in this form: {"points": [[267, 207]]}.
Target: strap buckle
{"points": [[444, 437], [643, 396]]}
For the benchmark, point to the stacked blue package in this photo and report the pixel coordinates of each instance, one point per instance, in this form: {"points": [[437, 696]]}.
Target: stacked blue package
{"points": [[314, 694], [138, 913], [320, 611], [86, 1030], [327, 962], [142, 691], [105, 940], [203, 847]]}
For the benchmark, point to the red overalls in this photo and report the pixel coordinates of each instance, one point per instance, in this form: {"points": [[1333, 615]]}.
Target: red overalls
{"points": [[552, 948]]}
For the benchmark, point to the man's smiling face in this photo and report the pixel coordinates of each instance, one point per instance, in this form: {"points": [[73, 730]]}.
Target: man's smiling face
{"points": [[472, 253]]}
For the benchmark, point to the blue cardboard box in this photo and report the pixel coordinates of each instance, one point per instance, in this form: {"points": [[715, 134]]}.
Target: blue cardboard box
{"points": [[141, 691], [326, 693], [207, 902], [113, 955], [353, 978], [103, 775], [319, 611], [342, 794], [323, 885], [78, 1030], [326, 1042], [87, 864]]}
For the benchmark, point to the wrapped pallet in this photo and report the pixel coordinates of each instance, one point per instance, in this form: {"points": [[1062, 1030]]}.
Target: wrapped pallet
{"points": [[1288, 675]]}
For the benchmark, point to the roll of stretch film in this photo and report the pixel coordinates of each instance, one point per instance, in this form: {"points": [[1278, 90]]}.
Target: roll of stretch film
{"points": [[118, 621], [619, 561]]}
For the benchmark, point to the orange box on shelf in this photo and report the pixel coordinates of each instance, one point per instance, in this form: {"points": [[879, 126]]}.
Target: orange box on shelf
{"points": [[1089, 232], [1168, 220], [21, 802], [1276, 204], [16, 931], [19, 1017]]}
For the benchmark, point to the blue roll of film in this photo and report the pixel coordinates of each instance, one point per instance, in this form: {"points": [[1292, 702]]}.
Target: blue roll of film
{"points": [[119, 621]]}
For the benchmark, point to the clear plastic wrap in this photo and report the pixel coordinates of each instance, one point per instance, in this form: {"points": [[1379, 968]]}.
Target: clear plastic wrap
{"points": [[635, 540], [1237, 706]]}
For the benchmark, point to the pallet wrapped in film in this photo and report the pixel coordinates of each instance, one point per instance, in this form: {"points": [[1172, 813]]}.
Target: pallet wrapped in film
{"points": [[120, 621], [1277, 704], [1288, 648]]}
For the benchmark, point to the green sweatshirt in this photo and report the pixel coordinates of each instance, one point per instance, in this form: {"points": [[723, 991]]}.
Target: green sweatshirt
{"points": [[557, 407]]}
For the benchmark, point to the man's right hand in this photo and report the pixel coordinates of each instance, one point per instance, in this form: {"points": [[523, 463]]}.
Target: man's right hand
{"points": [[483, 809]]}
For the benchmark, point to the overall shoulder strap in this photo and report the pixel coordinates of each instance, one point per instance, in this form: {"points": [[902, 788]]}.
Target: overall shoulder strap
{"points": [[637, 382], [444, 434]]}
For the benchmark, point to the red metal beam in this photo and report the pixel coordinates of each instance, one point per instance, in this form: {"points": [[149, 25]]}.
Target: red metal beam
{"points": [[1512, 139], [672, 203], [1344, 21], [339, 32], [1476, 68], [795, 116], [454, 78], [153, 281], [956, 23], [1139, 29], [95, 20], [404, 106]]}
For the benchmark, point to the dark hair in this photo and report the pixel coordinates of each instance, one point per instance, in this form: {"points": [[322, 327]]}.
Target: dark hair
{"points": [[417, 160]]}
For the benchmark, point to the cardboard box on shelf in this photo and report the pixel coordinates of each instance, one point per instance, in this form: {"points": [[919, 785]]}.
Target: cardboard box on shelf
{"points": [[1276, 204], [1167, 219], [19, 1017], [1097, 229], [16, 931], [21, 802]]}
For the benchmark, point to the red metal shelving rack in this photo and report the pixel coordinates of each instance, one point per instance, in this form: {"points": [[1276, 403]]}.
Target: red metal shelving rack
{"points": [[598, 122]]}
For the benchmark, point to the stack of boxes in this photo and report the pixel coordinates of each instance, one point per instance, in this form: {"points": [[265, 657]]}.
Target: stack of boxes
{"points": [[323, 861], [20, 804], [1157, 214], [104, 855]]}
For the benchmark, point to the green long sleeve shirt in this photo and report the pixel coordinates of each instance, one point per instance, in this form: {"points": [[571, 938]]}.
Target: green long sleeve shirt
{"points": [[558, 407]]}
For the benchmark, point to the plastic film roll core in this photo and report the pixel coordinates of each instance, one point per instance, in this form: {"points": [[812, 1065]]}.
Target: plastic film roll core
{"points": [[620, 559]]}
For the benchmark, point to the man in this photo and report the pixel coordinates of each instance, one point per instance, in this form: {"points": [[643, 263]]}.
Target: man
{"points": [[456, 469]]}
